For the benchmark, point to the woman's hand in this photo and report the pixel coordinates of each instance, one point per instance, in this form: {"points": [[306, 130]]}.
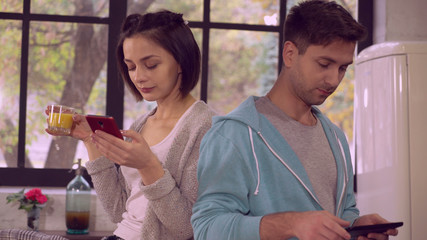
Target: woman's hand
{"points": [[135, 154], [80, 129]]}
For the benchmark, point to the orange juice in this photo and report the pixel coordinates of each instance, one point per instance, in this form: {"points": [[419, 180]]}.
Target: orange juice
{"points": [[60, 120]]}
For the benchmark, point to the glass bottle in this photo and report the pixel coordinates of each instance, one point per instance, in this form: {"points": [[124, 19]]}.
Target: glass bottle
{"points": [[77, 202]]}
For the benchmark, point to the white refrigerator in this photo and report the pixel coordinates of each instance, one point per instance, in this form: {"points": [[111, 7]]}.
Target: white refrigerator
{"points": [[390, 134]]}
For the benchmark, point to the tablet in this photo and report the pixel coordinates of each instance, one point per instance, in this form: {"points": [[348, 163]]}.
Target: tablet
{"points": [[104, 123], [376, 228]]}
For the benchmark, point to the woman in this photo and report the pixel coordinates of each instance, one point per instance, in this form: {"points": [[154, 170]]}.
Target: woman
{"points": [[151, 194]]}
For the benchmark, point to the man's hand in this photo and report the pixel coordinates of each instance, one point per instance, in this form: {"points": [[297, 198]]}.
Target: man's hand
{"points": [[374, 219], [303, 225]]}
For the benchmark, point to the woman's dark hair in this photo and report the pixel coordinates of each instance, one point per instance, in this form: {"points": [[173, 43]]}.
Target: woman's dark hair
{"points": [[320, 22], [171, 32]]}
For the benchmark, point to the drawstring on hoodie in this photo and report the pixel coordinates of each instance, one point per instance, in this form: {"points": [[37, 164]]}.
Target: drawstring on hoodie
{"points": [[345, 173], [281, 160], [256, 161], [293, 173]]}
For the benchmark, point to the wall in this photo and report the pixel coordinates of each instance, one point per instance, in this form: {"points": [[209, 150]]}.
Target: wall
{"points": [[53, 215], [397, 20]]}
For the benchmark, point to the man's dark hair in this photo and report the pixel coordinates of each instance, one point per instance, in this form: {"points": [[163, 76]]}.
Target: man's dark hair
{"points": [[319, 22], [171, 32]]}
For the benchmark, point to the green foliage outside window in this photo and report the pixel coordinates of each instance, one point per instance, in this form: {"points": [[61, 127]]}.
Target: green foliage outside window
{"points": [[67, 64]]}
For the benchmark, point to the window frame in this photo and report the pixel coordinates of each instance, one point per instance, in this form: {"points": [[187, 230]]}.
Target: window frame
{"points": [[21, 176], [206, 25]]}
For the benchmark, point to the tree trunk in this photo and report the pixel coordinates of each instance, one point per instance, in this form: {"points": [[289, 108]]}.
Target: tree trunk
{"points": [[89, 58], [10, 152]]}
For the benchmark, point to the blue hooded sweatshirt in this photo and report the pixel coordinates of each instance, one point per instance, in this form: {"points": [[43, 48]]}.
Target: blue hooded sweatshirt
{"points": [[247, 170]]}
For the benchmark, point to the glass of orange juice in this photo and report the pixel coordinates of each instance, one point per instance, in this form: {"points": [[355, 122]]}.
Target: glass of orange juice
{"points": [[60, 119]]}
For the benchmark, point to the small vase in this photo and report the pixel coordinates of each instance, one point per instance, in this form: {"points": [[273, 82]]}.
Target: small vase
{"points": [[33, 217]]}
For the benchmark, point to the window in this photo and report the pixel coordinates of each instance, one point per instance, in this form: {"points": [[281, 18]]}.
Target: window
{"points": [[56, 52], [61, 51], [239, 44]]}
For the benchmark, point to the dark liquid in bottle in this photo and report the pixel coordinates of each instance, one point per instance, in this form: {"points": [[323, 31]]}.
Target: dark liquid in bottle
{"points": [[77, 220]]}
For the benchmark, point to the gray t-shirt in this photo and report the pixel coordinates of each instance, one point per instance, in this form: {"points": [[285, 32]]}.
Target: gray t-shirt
{"points": [[312, 148]]}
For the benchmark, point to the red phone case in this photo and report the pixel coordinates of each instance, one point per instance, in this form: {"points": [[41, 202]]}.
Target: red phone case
{"points": [[104, 123]]}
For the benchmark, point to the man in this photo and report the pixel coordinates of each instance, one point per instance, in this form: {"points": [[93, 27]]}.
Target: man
{"points": [[275, 167]]}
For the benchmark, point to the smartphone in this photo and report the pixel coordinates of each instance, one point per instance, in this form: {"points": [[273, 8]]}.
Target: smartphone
{"points": [[376, 228], [104, 123]]}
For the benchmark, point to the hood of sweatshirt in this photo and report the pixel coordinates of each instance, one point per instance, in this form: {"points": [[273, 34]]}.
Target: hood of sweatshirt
{"points": [[247, 114]]}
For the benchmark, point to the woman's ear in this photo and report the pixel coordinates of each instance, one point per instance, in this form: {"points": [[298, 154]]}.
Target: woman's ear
{"points": [[290, 50], [179, 69]]}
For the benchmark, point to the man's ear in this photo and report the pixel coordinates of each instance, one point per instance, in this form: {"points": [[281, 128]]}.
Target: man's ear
{"points": [[290, 51]]}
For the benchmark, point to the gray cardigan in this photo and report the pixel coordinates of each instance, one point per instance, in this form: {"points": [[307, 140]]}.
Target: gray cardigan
{"points": [[170, 198]]}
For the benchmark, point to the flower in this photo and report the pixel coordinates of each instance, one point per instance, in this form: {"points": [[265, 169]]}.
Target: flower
{"points": [[30, 200], [36, 195]]}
